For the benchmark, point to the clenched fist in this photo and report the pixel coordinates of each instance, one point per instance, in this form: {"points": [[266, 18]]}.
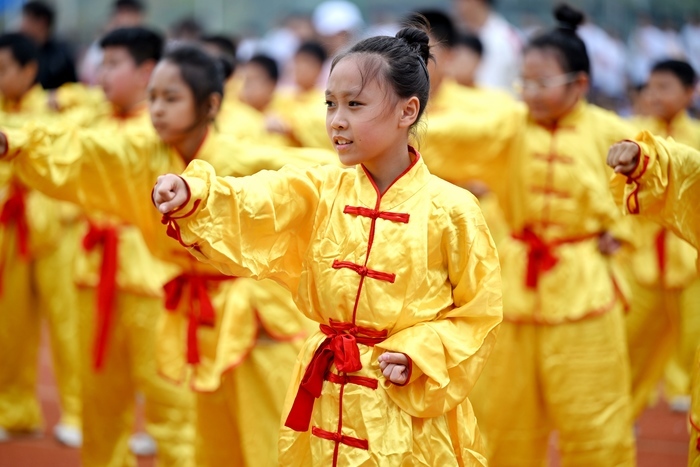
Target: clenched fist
{"points": [[169, 193], [624, 157], [394, 366]]}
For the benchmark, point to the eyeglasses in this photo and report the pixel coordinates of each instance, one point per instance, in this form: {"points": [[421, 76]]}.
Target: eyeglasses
{"points": [[523, 85]]}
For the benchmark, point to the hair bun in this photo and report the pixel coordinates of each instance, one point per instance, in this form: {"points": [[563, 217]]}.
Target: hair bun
{"points": [[568, 16], [416, 36]]}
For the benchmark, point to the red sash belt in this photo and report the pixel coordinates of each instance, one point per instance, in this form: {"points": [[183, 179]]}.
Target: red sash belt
{"points": [[14, 212], [201, 310], [661, 255], [541, 256], [108, 238], [339, 348]]}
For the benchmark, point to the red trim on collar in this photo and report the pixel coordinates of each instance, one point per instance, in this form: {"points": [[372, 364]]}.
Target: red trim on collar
{"points": [[416, 157]]}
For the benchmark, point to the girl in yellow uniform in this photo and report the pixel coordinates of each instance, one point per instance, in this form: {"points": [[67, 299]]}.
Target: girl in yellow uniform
{"points": [[220, 334], [661, 181], [560, 362], [663, 326], [38, 239], [397, 267]]}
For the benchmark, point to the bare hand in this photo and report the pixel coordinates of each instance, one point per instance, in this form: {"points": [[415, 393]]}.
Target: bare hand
{"points": [[607, 244], [623, 157], [275, 124], [394, 366], [3, 144], [169, 193], [477, 188]]}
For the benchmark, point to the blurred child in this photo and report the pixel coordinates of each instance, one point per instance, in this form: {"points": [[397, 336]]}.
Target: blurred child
{"points": [[660, 179], [663, 326], [37, 248], [260, 76], [121, 292], [402, 337], [298, 113], [466, 56], [233, 341], [560, 362]]}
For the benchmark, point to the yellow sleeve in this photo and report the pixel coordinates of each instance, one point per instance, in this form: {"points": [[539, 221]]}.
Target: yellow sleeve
{"points": [[449, 353], [665, 186], [460, 146], [97, 170], [257, 226], [246, 159]]}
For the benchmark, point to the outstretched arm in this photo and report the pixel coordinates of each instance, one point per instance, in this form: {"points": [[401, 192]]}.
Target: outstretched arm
{"points": [[660, 179]]}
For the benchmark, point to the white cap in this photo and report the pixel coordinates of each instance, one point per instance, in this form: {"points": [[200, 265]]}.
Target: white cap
{"points": [[333, 17]]}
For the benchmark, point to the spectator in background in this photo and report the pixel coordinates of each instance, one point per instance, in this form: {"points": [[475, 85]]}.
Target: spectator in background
{"points": [[56, 63], [608, 74], [502, 43], [125, 14], [466, 57], [648, 44], [186, 29], [337, 23]]}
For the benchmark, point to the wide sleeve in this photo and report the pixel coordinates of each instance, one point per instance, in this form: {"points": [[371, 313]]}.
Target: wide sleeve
{"points": [[449, 352], [665, 186], [465, 146], [258, 226], [97, 170]]}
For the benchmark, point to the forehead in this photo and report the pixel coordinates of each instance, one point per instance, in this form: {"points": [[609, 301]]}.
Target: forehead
{"points": [[664, 76], [541, 62], [167, 74], [6, 56], [353, 75], [117, 52]]}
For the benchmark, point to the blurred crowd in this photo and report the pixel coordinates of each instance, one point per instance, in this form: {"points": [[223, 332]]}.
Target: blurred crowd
{"points": [[487, 54]]}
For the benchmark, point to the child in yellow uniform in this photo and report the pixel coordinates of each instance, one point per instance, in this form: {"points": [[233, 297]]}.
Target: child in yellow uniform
{"points": [[211, 337], [560, 362], [299, 112], [39, 239], [661, 180], [121, 296], [663, 326], [397, 266]]}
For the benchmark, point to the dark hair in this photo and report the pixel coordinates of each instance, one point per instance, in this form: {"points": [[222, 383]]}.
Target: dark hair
{"points": [[401, 61], [143, 44], [313, 49], [472, 42], [227, 51], [682, 70], [268, 64], [41, 11], [24, 50], [129, 5], [186, 27], [570, 49], [202, 73], [442, 28]]}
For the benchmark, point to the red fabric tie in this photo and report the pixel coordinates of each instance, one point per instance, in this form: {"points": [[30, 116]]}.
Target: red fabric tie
{"points": [[339, 348], [374, 214], [14, 212], [108, 238], [661, 255], [201, 310], [540, 254], [540, 257]]}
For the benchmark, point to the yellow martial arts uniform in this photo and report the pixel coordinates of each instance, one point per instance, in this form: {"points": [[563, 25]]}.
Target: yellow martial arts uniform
{"points": [[665, 187], [211, 336], [447, 105], [430, 290], [39, 284], [305, 115], [560, 362], [663, 325], [121, 302]]}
